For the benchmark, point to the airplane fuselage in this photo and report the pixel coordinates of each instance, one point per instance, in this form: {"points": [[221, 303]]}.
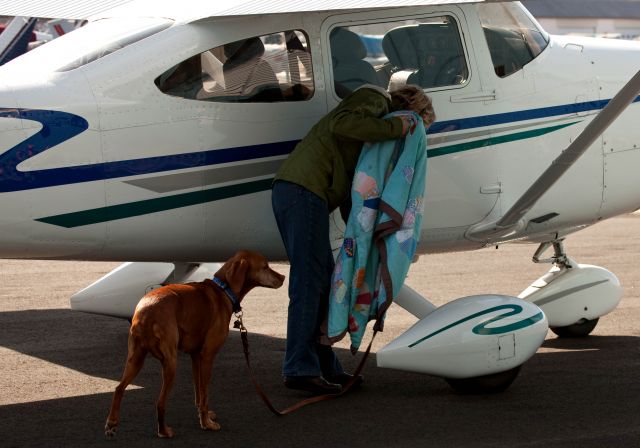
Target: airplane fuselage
{"points": [[98, 163]]}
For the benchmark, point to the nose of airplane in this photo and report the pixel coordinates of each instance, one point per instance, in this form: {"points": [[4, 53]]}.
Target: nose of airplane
{"points": [[37, 116], [27, 132], [15, 210]]}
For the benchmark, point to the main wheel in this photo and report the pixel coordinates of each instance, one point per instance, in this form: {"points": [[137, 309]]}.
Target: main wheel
{"points": [[578, 330], [487, 384]]}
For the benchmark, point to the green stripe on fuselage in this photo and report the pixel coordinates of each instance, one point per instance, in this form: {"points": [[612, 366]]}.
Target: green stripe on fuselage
{"points": [[138, 208], [451, 149], [144, 207]]}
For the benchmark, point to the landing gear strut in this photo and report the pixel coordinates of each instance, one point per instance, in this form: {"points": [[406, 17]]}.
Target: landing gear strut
{"points": [[559, 257]]}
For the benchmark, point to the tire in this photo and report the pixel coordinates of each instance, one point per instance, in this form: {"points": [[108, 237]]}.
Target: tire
{"points": [[487, 384], [577, 330]]}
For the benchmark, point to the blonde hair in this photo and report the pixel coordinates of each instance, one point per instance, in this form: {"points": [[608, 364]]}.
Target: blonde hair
{"points": [[411, 97]]}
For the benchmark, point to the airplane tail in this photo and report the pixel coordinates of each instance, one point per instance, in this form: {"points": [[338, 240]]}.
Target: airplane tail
{"points": [[15, 38]]}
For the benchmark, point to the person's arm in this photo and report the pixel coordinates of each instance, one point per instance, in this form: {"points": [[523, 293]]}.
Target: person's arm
{"points": [[358, 119]]}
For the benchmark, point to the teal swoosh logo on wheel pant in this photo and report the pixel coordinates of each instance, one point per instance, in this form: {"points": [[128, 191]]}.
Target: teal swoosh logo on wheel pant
{"points": [[481, 329]]}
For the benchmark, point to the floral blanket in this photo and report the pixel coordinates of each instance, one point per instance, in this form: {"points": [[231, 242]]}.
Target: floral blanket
{"points": [[382, 233]]}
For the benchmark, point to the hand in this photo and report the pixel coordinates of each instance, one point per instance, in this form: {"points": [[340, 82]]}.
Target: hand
{"points": [[408, 124]]}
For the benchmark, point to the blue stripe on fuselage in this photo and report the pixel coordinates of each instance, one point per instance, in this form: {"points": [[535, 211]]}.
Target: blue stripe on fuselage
{"points": [[522, 115], [58, 127]]}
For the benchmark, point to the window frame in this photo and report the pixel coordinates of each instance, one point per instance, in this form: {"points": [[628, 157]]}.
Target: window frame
{"points": [[357, 19], [292, 60]]}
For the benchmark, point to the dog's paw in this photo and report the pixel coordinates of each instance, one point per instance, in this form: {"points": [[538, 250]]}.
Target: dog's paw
{"points": [[212, 415], [165, 433], [210, 425], [110, 430]]}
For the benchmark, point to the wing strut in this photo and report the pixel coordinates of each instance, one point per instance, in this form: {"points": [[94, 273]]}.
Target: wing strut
{"points": [[512, 219], [14, 40]]}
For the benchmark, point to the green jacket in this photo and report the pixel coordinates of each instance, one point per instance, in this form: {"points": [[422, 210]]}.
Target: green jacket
{"points": [[324, 161]]}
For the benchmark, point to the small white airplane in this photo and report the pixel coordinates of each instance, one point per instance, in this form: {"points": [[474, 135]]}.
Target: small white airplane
{"points": [[153, 133]]}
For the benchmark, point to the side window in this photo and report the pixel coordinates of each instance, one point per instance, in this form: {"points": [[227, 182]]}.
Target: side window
{"points": [[270, 68], [513, 38], [425, 52]]}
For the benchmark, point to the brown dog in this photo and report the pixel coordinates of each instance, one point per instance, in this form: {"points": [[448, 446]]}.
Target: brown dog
{"points": [[194, 318]]}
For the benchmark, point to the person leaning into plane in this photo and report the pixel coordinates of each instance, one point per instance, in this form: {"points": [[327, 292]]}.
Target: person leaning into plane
{"points": [[313, 181]]}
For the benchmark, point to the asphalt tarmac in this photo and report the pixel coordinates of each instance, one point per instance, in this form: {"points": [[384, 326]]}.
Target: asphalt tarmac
{"points": [[58, 368]]}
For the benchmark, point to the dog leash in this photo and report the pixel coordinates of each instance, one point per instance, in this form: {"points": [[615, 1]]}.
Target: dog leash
{"points": [[245, 345]]}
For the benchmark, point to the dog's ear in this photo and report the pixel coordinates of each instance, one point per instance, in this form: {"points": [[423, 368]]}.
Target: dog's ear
{"points": [[236, 274]]}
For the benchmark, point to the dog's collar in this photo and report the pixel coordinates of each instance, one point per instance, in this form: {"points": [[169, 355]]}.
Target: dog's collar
{"points": [[232, 296]]}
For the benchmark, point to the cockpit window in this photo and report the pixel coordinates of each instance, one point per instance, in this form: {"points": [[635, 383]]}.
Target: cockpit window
{"points": [[513, 38], [427, 52], [270, 68]]}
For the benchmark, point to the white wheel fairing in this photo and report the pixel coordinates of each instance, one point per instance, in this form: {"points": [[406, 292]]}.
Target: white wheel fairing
{"points": [[468, 337]]}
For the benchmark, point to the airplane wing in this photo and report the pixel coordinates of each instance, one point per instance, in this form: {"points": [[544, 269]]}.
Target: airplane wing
{"points": [[57, 9], [512, 219], [190, 10]]}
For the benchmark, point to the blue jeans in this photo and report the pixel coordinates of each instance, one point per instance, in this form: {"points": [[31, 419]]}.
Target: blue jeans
{"points": [[303, 222]]}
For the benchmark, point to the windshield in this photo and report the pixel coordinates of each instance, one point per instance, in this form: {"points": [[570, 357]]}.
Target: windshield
{"points": [[513, 37], [89, 43]]}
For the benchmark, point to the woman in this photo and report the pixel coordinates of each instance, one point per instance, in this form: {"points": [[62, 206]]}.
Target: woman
{"points": [[314, 181]]}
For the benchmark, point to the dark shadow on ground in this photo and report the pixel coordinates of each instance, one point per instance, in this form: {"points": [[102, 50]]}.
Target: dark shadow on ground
{"points": [[585, 395]]}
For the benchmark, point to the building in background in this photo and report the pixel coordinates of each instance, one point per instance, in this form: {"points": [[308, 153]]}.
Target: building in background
{"points": [[598, 18]]}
